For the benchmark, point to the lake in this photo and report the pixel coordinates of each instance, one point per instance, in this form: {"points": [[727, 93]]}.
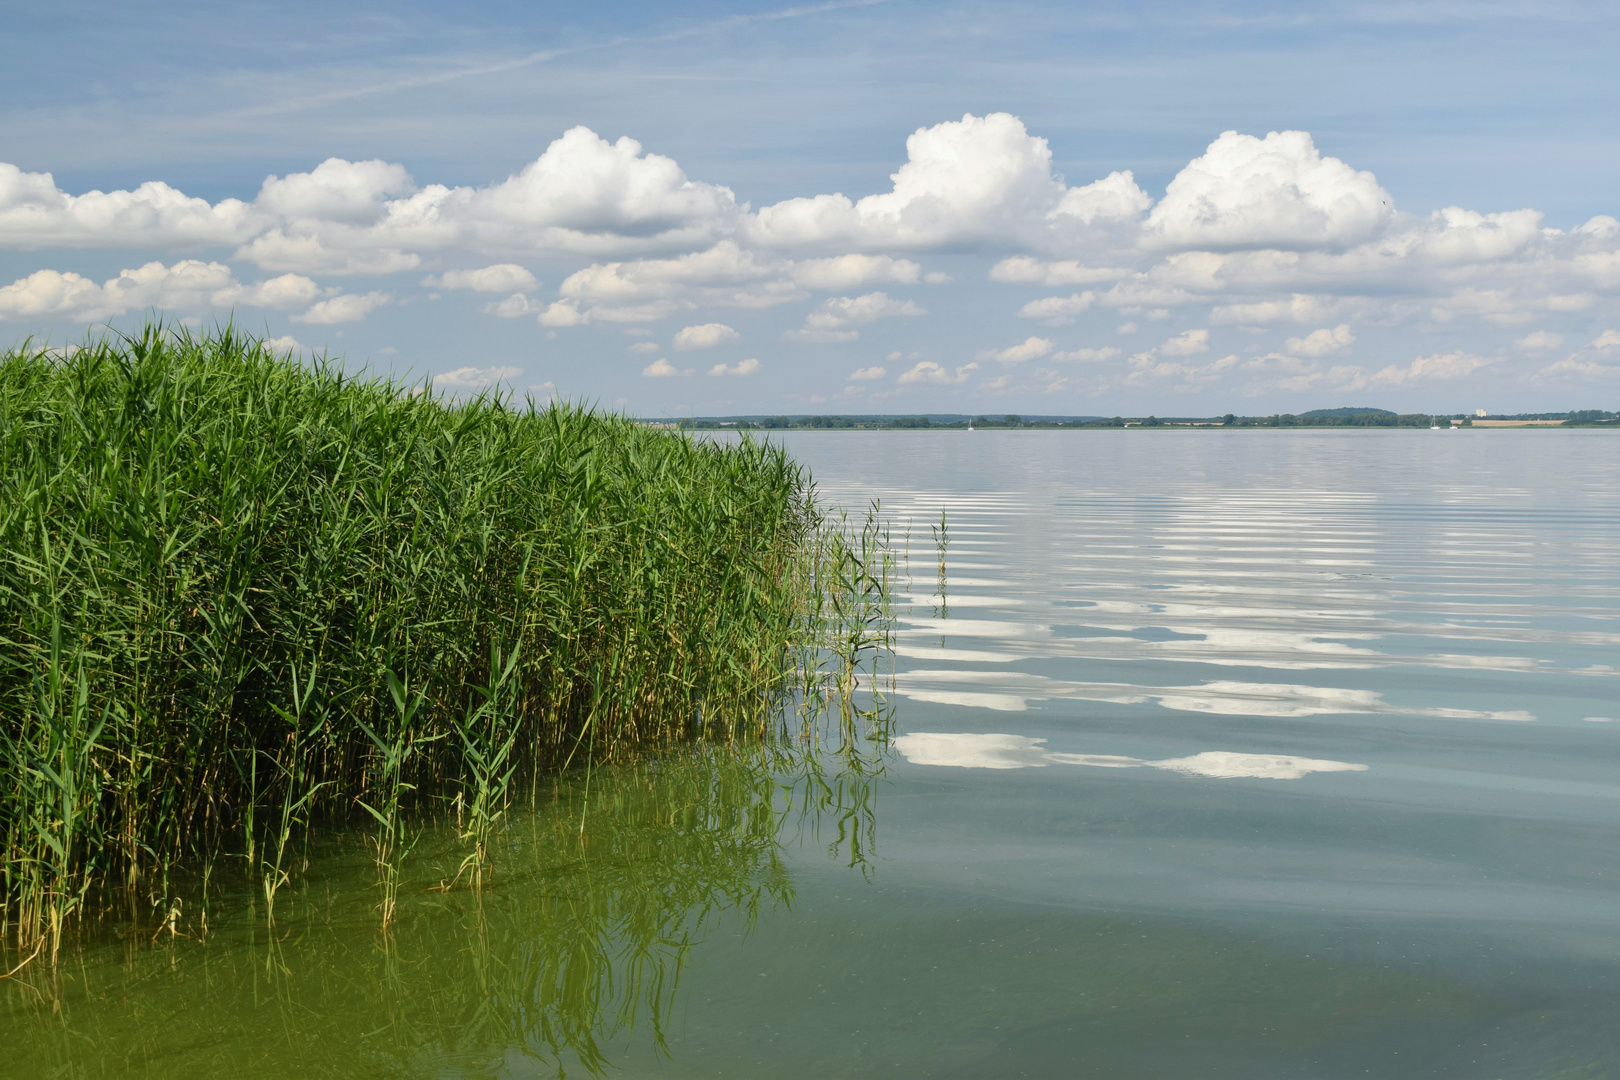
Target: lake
{"points": [[1214, 754]]}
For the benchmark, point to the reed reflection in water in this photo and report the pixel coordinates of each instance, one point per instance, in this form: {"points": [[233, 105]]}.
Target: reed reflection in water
{"points": [[604, 889]]}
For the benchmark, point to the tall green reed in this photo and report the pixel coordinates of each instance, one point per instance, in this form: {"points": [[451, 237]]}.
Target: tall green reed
{"points": [[488, 735], [240, 593], [393, 746]]}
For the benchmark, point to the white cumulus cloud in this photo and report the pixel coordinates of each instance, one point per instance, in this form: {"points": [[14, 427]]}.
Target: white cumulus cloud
{"points": [[705, 336], [1299, 308], [854, 271], [53, 295], [283, 293], [740, 368], [1437, 366], [724, 275], [336, 189], [1186, 343], [974, 179], [562, 313], [500, 278], [728, 275], [832, 320], [868, 374], [1574, 365], [584, 187], [1324, 342], [584, 194], [1031, 348], [1113, 198], [344, 308], [313, 254], [187, 286], [472, 377], [1057, 310], [1277, 191], [663, 369], [1086, 356], [1540, 340], [1147, 369], [926, 371], [515, 306], [1029, 270], [35, 213]]}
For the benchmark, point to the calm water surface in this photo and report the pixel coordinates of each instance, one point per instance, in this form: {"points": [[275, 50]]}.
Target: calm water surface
{"points": [[1218, 754]]}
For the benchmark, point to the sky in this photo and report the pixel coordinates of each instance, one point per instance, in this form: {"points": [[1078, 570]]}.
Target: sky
{"points": [[864, 206]]}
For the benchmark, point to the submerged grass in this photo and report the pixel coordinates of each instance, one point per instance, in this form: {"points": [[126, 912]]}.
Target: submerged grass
{"points": [[580, 952], [238, 594]]}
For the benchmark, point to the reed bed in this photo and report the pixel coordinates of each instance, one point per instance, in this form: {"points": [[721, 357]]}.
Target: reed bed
{"points": [[239, 594]]}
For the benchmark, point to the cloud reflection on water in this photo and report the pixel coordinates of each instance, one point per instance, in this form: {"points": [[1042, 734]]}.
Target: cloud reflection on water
{"points": [[1011, 691], [972, 750]]}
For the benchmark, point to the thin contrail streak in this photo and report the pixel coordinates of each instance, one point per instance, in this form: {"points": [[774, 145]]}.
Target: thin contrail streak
{"points": [[315, 101]]}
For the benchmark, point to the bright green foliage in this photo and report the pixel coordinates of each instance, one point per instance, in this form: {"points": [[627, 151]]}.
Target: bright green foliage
{"points": [[229, 581]]}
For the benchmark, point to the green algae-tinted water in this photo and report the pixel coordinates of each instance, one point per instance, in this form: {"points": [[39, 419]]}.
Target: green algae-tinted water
{"points": [[1248, 754], [600, 892]]}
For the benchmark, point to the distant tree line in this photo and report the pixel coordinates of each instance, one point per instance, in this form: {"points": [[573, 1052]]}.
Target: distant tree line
{"points": [[1344, 417], [1333, 418]]}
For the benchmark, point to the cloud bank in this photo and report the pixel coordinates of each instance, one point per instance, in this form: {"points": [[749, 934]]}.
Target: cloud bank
{"points": [[1263, 235]]}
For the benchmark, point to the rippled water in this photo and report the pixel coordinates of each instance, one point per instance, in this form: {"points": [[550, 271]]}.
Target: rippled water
{"points": [[1308, 737], [1219, 754]]}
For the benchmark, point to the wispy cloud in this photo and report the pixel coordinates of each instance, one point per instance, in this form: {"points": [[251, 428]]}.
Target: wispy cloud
{"points": [[306, 102]]}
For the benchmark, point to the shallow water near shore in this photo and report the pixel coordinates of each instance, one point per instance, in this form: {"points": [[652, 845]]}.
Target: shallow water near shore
{"points": [[1216, 754]]}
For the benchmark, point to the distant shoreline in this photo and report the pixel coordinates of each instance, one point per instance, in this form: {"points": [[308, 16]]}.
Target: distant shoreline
{"points": [[1338, 419]]}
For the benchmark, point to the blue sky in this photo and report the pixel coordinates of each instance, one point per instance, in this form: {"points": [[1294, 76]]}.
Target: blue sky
{"points": [[1414, 207]]}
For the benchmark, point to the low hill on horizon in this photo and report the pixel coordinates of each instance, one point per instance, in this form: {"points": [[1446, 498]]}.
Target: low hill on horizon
{"points": [[1345, 413]]}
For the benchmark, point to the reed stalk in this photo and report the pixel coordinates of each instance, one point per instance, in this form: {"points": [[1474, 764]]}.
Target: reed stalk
{"points": [[488, 736], [942, 546], [305, 720]]}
